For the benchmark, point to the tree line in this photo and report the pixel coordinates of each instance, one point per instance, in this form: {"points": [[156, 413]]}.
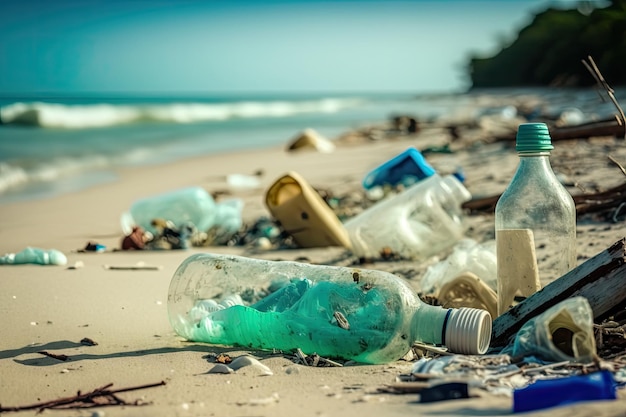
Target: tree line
{"points": [[549, 51]]}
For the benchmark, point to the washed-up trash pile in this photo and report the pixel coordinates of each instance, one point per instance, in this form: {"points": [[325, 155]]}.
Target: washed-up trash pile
{"points": [[412, 213], [531, 384]]}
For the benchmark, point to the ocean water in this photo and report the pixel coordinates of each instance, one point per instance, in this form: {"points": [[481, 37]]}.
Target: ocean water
{"points": [[52, 145]]}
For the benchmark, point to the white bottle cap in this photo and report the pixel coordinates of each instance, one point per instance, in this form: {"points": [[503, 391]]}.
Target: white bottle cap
{"points": [[468, 331]]}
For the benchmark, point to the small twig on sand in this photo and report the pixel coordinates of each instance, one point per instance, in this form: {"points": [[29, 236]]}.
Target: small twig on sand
{"points": [[314, 360], [595, 72], [618, 164], [99, 397], [54, 356]]}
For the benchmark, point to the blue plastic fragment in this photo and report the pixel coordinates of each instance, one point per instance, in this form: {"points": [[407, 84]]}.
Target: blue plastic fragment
{"points": [[547, 393], [406, 168]]}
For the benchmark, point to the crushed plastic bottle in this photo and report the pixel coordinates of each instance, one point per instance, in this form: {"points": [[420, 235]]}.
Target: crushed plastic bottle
{"points": [[31, 255], [422, 221], [355, 314]]}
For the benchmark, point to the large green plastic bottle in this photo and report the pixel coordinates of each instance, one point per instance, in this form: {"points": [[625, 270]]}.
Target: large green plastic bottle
{"points": [[355, 314]]}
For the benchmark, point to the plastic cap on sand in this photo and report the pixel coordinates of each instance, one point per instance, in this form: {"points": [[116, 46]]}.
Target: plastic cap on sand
{"points": [[533, 137], [468, 331]]}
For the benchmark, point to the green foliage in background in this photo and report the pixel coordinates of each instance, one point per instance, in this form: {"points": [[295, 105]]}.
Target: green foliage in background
{"points": [[550, 50]]}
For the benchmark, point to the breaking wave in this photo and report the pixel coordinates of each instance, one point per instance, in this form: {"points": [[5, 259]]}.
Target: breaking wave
{"points": [[62, 116]]}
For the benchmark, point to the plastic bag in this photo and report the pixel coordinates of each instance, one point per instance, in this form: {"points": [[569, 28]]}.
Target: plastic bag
{"points": [[564, 332]]}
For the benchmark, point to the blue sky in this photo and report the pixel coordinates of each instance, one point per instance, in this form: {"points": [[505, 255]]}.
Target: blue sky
{"points": [[185, 46]]}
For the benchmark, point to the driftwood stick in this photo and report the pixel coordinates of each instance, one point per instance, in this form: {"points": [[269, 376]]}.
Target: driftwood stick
{"points": [[600, 280], [612, 159], [612, 128], [80, 400], [585, 203], [595, 71], [582, 131]]}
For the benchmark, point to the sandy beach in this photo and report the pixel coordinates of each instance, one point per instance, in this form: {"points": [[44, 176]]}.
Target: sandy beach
{"points": [[53, 308]]}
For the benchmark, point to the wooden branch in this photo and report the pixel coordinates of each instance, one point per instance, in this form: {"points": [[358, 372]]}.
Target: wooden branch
{"points": [[595, 71], [587, 131], [582, 131], [601, 280], [585, 203], [88, 400]]}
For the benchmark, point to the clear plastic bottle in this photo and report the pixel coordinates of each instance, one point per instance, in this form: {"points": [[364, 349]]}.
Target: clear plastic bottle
{"points": [[186, 205], [535, 221], [30, 255], [356, 314], [417, 223]]}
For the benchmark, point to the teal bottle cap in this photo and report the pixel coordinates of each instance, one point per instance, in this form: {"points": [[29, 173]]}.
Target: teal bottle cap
{"points": [[533, 137]]}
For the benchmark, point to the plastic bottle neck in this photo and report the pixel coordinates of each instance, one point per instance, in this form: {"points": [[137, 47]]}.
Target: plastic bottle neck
{"points": [[535, 154], [462, 330], [535, 162]]}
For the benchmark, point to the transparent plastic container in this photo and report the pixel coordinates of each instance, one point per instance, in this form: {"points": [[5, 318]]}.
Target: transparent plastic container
{"points": [[419, 222], [183, 206], [467, 256], [228, 220], [355, 314], [535, 219], [30, 255]]}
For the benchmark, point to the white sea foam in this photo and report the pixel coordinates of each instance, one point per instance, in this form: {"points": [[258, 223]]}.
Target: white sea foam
{"points": [[11, 176], [50, 115]]}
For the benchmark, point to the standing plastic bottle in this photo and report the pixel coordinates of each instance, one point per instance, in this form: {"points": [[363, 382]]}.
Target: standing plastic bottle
{"points": [[534, 215], [356, 314]]}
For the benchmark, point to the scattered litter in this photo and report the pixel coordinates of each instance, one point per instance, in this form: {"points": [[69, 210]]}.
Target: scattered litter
{"points": [[468, 290], [422, 221], [77, 265], [221, 368], [309, 139], [246, 360], [32, 255], [140, 266], [243, 181], [93, 247], [406, 169], [313, 360], [445, 391], [303, 214], [563, 332], [88, 342], [562, 391]]}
